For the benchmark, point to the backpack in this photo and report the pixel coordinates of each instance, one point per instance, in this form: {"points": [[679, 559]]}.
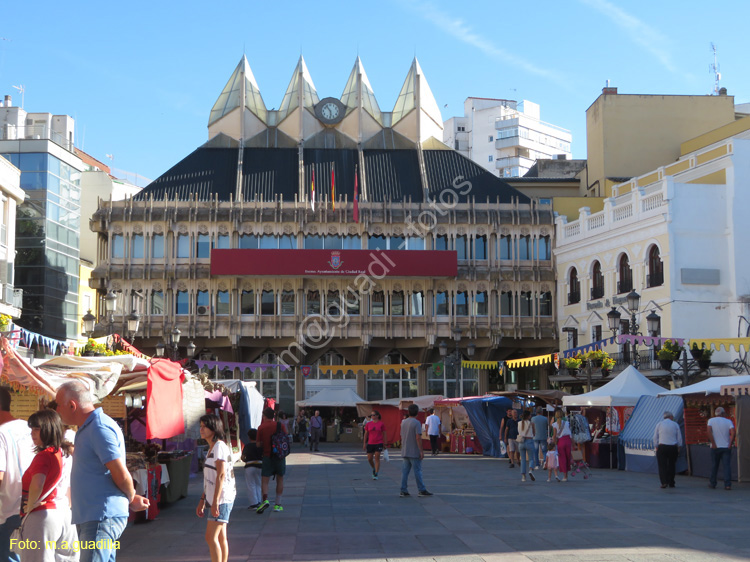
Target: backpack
{"points": [[279, 443], [302, 425]]}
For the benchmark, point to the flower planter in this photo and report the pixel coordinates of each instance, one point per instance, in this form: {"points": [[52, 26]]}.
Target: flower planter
{"points": [[696, 353], [704, 364], [666, 364], [596, 363], [573, 372], [605, 373]]}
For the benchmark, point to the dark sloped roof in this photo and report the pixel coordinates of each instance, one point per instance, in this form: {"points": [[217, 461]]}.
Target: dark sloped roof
{"points": [[390, 175]]}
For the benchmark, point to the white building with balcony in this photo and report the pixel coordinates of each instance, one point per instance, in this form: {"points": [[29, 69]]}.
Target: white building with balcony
{"points": [[11, 195], [677, 236], [504, 136]]}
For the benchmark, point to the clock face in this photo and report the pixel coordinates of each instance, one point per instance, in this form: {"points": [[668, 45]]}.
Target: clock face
{"points": [[329, 110]]}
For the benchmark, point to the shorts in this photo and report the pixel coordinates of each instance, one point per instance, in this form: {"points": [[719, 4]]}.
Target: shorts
{"points": [[273, 466], [512, 445], [375, 448], [224, 510]]}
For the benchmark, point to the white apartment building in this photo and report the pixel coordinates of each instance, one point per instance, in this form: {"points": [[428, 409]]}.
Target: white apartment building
{"points": [[11, 195], [504, 136]]}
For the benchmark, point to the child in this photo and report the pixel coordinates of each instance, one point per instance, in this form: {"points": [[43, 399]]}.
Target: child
{"points": [[550, 462], [252, 455]]}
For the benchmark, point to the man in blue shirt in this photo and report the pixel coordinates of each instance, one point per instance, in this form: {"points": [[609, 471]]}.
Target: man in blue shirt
{"points": [[100, 485], [541, 433]]}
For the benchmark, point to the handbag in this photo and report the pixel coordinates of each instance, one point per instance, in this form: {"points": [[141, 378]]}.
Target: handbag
{"points": [[16, 537], [386, 455]]}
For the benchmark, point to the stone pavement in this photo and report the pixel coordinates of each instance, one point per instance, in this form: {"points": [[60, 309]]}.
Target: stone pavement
{"points": [[481, 511]]}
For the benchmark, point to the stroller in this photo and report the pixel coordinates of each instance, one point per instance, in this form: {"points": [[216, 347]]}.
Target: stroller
{"points": [[578, 465]]}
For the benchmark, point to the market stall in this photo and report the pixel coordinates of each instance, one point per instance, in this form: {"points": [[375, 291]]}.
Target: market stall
{"points": [[486, 414], [332, 402]]}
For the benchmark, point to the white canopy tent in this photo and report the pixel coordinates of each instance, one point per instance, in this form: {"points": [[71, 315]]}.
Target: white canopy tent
{"points": [[332, 398], [709, 386], [624, 390]]}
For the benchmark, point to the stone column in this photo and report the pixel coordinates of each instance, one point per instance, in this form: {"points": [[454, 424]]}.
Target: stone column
{"points": [[421, 380]]}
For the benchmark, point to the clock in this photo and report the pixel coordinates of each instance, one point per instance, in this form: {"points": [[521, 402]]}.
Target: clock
{"points": [[330, 111]]}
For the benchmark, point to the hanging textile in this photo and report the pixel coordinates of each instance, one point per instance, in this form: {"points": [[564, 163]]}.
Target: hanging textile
{"points": [[647, 340], [164, 400], [366, 368], [231, 365], [717, 343], [193, 407], [481, 364], [17, 373], [529, 361]]}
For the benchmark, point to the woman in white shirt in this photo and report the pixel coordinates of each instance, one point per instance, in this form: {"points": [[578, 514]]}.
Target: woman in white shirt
{"points": [[526, 445], [562, 437], [219, 489]]}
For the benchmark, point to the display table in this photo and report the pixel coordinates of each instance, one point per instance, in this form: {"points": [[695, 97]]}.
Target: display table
{"points": [[348, 435], [700, 463], [148, 483], [465, 444], [179, 475], [602, 453]]}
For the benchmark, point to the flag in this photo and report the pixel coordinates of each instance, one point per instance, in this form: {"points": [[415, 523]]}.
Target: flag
{"points": [[313, 190], [333, 190], [356, 197]]}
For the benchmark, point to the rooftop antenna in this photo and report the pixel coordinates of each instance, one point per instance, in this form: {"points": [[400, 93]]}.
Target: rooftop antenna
{"points": [[21, 90], [715, 69]]}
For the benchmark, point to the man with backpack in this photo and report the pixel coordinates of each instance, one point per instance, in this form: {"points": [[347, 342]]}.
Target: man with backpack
{"points": [[272, 438]]}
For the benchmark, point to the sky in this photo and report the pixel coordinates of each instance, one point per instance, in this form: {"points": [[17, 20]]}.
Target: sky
{"points": [[140, 78]]}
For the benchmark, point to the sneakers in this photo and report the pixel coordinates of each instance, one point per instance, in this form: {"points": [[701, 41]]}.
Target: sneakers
{"points": [[424, 494], [374, 475], [404, 494], [565, 479], [523, 478], [557, 477], [254, 506], [531, 475], [264, 505], [548, 480], [510, 465], [277, 507]]}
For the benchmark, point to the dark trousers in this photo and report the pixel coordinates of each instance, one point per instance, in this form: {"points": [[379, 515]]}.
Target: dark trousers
{"points": [[717, 455], [434, 443], [666, 457], [314, 438]]}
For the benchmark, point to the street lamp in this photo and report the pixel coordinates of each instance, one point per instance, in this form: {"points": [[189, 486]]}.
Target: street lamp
{"points": [[652, 322], [191, 350], [160, 347], [89, 323], [454, 359], [174, 339], [134, 320]]}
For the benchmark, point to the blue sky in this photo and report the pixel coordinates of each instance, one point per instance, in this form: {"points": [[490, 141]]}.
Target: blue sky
{"points": [[140, 78]]}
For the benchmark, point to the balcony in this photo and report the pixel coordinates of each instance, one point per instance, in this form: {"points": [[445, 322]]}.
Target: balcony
{"points": [[624, 286], [597, 293], [655, 279], [574, 297]]}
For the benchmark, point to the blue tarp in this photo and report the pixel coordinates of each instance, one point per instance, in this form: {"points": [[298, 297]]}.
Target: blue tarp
{"points": [[486, 415], [638, 434]]}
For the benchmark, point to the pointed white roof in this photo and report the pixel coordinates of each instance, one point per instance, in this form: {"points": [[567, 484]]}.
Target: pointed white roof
{"points": [[624, 390], [709, 386], [231, 95], [350, 98], [301, 80], [332, 397], [412, 96]]}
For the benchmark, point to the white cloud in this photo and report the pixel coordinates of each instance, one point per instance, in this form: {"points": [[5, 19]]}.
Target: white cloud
{"points": [[637, 30]]}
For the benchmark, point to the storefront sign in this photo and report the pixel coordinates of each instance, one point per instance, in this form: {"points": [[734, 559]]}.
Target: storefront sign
{"points": [[374, 263]]}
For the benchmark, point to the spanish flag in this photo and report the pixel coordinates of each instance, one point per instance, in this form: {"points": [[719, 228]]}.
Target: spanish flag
{"points": [[356, 197], [333, 189], [313, 190]]}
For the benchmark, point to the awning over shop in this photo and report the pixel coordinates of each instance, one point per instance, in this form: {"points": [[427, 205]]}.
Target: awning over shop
{"points": [[649, 411], [333, 398], [624, 390], [708, 386]]}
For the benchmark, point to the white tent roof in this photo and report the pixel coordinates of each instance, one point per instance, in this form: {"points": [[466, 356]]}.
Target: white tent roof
{"points": [[624, 390], [709, 386], [332, 397]]}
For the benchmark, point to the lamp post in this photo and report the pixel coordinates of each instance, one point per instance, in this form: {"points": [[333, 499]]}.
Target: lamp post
{"points": [[174, 351], [89, 323], [652, 322], [454, 358], [134, 319]]}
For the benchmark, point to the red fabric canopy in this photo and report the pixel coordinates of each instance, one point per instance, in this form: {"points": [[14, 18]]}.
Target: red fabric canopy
{"points": [[164, 400]]}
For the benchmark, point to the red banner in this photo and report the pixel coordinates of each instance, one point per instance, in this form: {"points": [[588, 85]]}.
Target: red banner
{"points": [[375, 263]]}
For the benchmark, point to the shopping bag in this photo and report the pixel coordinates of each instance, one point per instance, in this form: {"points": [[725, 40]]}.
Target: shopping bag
{"points": [[503, 449], [386, 455]]}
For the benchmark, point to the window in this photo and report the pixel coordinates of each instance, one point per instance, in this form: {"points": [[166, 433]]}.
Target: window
{"points": [[378, 303], [397, 243], [480, 304], [417, 303], [506, 303], [202, 299], [397, 303], [157, 246], [353, 300], [332, 242], [544, 251], [441, 242], [625, 274], [313, 302], [182, 303], [248, 242], [157, 302], [572, 337], [183, 246], [525, 303], [545, 304], [313, 242], [287, 303], [268, 242], [334, 306], [506, 243], [574, 287], [222, 302], [415, 243], [490, 157], [222, 242], [462, 248], [596, 333], [247, 302], [202, 246], [597, 281], [266, 303], [462, 303], [377, 243], [352, 243], [118, 246], [480, 246], [137, 248], [287, 242], [441, 303], [655, 277], [490, 138], [524, 248]]}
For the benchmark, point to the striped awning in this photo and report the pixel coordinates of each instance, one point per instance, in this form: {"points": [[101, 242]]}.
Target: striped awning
{"points": [[639, 429]]}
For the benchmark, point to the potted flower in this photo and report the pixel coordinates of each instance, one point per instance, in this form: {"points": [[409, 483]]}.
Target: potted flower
{"points": [[5, 321], [696, 352], [607, 365], [704, 361], [572, 364], [596, 357]]}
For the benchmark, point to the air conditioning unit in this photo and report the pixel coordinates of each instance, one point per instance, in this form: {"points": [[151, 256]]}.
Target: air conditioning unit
{"points": [[203, 310]]}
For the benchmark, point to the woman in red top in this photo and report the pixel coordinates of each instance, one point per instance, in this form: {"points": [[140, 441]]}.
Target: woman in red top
{"points": [[44, 521], [374, 442]]}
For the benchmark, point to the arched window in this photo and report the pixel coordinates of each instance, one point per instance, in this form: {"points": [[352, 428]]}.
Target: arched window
{"points": [[597, 281], [625, 275], [574, 294], [655, 277]]}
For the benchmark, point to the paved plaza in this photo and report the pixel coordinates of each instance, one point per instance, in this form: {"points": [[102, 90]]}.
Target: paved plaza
{"points": [[481, 511]]}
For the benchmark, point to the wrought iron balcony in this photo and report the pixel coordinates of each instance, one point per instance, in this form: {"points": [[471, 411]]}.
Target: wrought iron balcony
{"points": [[597, 292], [624, 286], [574, 297], [655, 279]]}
